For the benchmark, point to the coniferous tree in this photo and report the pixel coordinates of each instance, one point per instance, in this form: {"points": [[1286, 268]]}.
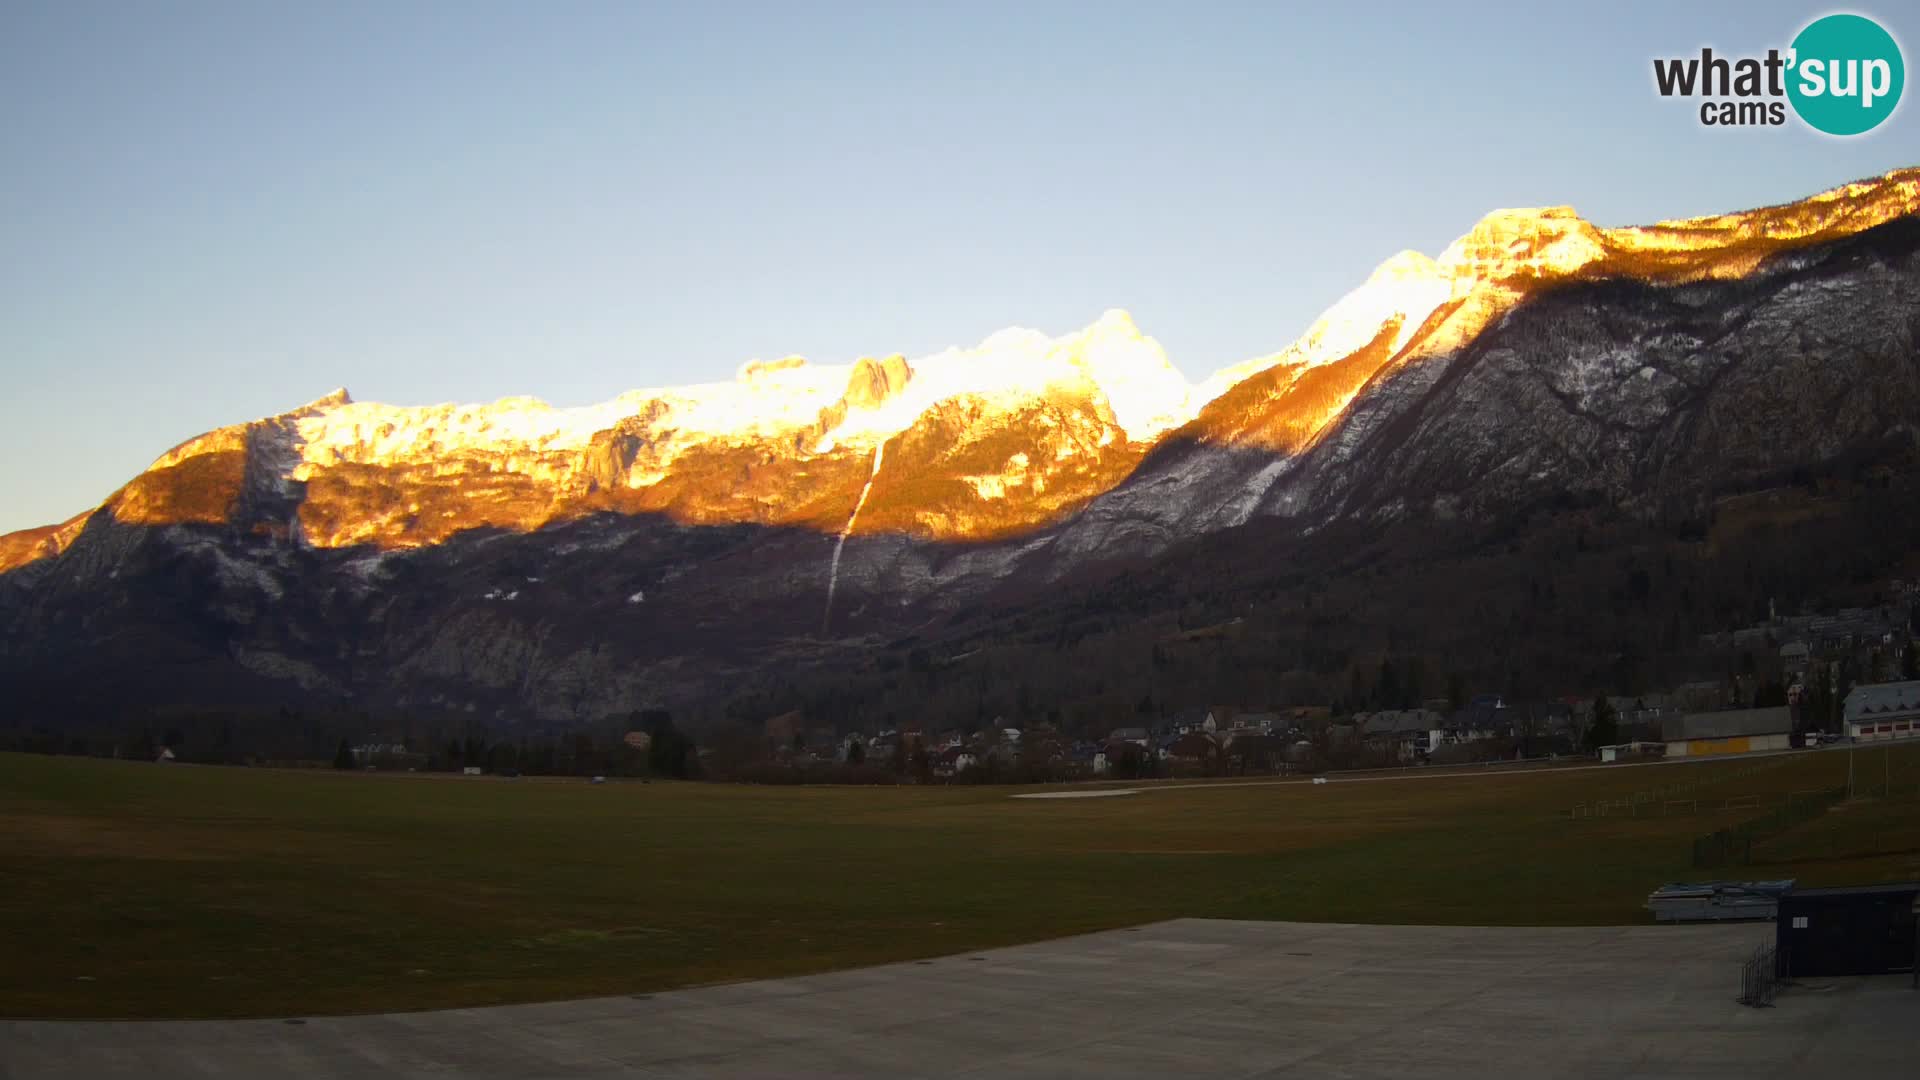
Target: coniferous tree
{"points": [[1605, 729], [670, 752]]}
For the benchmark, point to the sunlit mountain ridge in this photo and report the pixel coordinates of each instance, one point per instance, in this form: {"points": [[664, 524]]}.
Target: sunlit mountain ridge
{"points": [[994, 439]]}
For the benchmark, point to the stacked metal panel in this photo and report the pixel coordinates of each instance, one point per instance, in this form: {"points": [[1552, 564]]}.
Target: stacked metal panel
{"points": [[1707, 901]]}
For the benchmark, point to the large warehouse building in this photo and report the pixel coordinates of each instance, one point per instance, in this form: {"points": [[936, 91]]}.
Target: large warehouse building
{"points": [[1883, 711], [1735, 731]]}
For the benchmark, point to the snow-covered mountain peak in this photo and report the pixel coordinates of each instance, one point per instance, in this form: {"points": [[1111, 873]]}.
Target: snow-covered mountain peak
{"points": [[337, 396], [1146, 392], [1405, 289], [1528, 241], [1407, 265], [1114, 322]]}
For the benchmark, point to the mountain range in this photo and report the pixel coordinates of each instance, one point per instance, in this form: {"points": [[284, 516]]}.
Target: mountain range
{"points": [[530, 565]]}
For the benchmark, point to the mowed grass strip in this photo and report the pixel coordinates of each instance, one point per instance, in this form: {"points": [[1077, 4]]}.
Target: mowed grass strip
{"points": [[136, 890]]}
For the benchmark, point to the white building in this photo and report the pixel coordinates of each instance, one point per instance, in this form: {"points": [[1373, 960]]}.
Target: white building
{"points": [[1620, 751], [1882, 711]]}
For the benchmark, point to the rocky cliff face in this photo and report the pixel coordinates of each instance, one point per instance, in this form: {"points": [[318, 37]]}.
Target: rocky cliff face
{"points": [[521, 561], [1642, 394]]}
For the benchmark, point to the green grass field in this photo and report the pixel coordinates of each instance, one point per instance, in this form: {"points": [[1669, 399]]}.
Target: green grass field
{"points": [[143, 890]]}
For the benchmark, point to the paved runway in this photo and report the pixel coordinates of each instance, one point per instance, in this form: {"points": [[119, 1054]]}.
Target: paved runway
{"points": [[1186, 998]]}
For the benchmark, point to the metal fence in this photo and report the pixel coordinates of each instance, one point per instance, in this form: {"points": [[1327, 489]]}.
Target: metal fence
{"points": [[1760, 977], [1668, 799], [1735, 844]]}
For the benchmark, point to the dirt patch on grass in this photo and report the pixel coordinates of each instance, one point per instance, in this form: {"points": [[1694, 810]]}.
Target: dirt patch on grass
{"points": [[89, 838], [79, 837], [575, 936]]}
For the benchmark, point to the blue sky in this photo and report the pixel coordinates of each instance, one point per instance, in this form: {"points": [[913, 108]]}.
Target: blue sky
{"points": [[212, 212]]}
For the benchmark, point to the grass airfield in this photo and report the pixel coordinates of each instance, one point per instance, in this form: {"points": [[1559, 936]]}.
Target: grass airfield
{"points": [[135, 890]]}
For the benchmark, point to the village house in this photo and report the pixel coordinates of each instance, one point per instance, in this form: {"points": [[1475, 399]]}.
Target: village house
{"points": [[1237, 734], [1411, 733], [1794, 657], [1704, 695], [1640, 718], [952, 761], [1083, 753], [1554, 718], [1191, 718], [1256, 751], [387, 755], [1194, 748], [1262, 722], [1485, 717]]}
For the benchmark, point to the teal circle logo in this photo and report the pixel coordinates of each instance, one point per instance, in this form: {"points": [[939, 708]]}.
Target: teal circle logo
{"points": [[1847, 74]]}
